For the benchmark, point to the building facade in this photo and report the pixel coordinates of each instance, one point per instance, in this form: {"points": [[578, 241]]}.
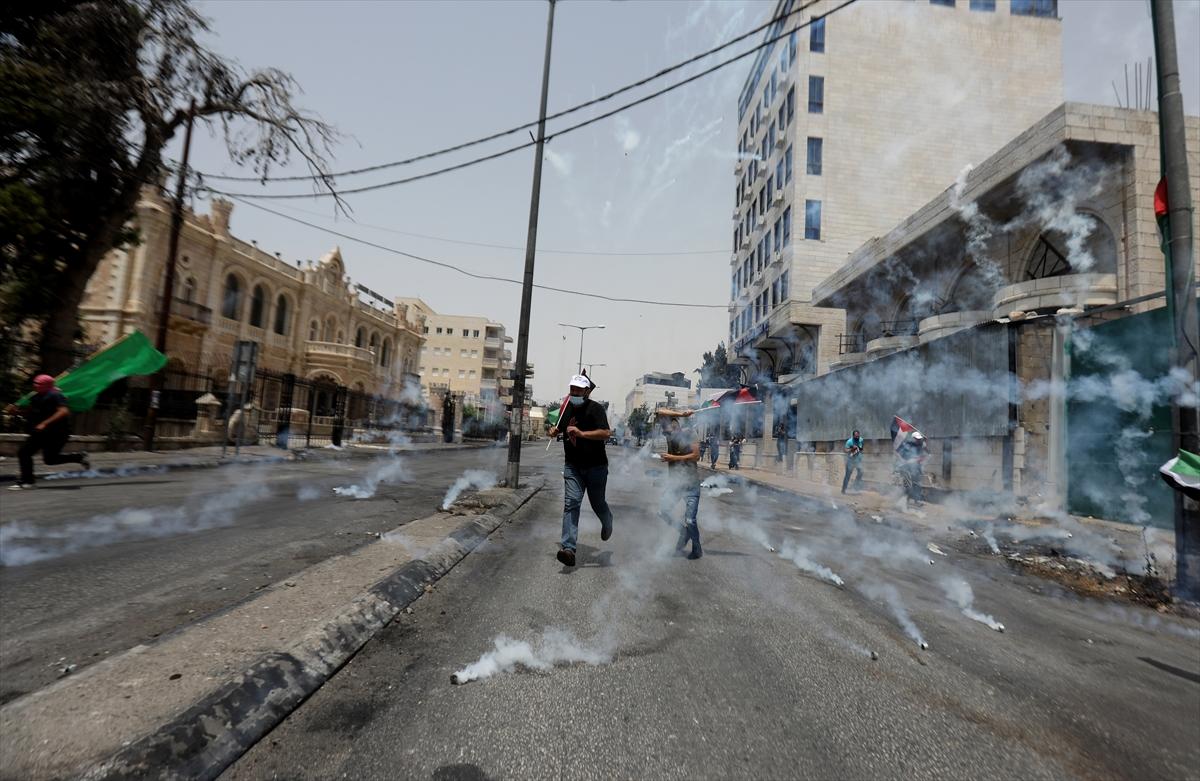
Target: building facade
{"points": [[309, 319], [850, 124], [657, 389], [466, 356]]}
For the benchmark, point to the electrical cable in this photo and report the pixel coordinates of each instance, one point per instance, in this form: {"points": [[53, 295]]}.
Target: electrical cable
{"points": [[473, 275], [525, 145], [557, 115]]}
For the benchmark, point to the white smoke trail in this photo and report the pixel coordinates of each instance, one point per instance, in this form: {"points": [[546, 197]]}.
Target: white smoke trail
{"points": [[472, 478], [126, 470], [308, 492], [959, 592], [989, 534], [23, 542], [556, 647], [887, 593], [801, 558], [392, 468]]}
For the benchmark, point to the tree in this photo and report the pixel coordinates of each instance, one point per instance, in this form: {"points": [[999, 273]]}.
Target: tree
{"points": [[639, 422], [717, 372], [91, 92]]}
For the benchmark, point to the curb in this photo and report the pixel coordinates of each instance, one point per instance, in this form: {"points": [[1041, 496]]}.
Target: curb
{"points": [[217, 462], [204, 739]]}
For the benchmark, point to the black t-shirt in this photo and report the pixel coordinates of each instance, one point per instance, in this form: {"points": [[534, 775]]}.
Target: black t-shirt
{"points": [[588, 416], [42, 406], [681, 443]]}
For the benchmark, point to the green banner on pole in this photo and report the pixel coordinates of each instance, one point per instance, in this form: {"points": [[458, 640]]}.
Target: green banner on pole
{"points": [[130, 356]]}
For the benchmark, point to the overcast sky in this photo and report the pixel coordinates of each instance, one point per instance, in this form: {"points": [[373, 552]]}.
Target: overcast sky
{"points": [[402, 78]]}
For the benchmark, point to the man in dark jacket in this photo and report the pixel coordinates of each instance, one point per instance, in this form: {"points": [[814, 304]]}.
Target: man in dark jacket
{"points": [[584, 424], [47, 428]]}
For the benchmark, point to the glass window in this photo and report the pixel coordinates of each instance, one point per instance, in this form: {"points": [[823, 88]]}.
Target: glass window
{"points": [[814, 156], [770, 188], [471, 374], [787, 226], [1035, 7], [791, 104], [464, 333], [462, 373], [792, 48], [258, 305], [771, 135], [983, 5], [816, 94], [767, 244], [462, 353], [787, 165], [474, 353], [816, 36], [281, 315], [778, 234], [474, 334], [812, 220], [231, 304], [439, 330], [783, 286], [949, 3]]}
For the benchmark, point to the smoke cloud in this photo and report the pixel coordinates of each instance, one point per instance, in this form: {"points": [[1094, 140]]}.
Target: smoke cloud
{"points": [[555, 647], [472, 478]]}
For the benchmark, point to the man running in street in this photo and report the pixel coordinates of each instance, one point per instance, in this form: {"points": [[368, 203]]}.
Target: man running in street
{"points": [[683, 479], [48, 430], [854, 459], [584, 424]]}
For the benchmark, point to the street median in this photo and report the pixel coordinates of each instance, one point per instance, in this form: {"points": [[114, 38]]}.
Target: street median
{"points": [[189, 704]]}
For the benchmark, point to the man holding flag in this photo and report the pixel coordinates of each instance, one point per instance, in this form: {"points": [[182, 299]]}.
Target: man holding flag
{"points": [[584, 424], [48, 430]]}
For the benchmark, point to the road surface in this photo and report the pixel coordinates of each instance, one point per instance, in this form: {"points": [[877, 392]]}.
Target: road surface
{"points": [[741, 665]]}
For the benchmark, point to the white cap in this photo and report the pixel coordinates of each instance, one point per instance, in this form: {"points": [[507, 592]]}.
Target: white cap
{"points": [[579, 381]]}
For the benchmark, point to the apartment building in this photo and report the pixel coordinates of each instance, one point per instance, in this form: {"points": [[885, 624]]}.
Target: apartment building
{"points": [[464, 354], [656, 389], [848, 125]]}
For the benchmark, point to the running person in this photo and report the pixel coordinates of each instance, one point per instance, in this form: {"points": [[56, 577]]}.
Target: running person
{"points": [[47, 426], [683, 479], [584, 424]]}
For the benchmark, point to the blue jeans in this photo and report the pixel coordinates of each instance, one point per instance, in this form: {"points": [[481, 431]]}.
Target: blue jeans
{"points": [[690, 493], [576, 481]]}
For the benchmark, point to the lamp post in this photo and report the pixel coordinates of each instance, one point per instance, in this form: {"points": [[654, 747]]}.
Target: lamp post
{"points": [[581, 328], [591, 366]]}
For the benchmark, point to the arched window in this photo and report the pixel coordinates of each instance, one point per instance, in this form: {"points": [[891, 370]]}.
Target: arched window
{"points": [[258, 303], [231, 304], [281, 315], [314, 331], [1087, 247], [187, 291], [330, 331], [360, 337], [373, 345], [385, 355]]}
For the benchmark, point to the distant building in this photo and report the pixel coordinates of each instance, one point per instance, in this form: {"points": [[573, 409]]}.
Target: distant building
{"points": [[656, 389], [851, 124], [467, 355], [308, 319]]}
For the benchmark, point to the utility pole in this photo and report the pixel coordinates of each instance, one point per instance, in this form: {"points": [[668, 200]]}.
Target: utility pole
{"points": [[513, 476], [1181, 284], [164, 312]]}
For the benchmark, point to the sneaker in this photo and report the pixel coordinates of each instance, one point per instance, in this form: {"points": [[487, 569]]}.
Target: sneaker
{"points": [[606, 529], [20, 486], [566, 556], [696, 552]]}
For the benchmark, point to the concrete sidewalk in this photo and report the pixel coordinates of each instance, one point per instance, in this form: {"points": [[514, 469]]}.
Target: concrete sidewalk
{"points": [[951, 512], [121, 464]]}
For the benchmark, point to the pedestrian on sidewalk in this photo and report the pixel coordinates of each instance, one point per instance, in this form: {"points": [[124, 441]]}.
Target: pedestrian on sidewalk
{"points": [[683, 479], [714, 446], [854, 458], [781, 434], [584, 424], [48, 428], [735, 451]]}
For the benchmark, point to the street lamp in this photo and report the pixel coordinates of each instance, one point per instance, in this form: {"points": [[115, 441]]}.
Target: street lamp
{"points": [[591, 366], [581, 328]]}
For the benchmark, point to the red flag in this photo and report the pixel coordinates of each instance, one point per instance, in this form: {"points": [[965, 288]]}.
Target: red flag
{"points": [[900, 431]]}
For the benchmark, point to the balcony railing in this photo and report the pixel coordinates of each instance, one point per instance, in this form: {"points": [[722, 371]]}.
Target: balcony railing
{"points": [[188, 310], [851, 343], [341, 350]]}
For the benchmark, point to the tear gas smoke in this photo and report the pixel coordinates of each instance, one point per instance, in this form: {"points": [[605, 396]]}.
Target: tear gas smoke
{"points": [[390, 469], [472, 478], [121, 471], [22, 542], [308, 492], [801, 558], [959, 592], [556, 647], [890, 597], [990, 536]]}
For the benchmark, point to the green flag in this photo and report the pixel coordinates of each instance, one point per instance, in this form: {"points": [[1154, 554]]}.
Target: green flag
{"points": [[1183, 473], [129, 356]]}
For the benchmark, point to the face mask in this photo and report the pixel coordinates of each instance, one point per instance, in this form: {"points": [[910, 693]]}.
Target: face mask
{"points": [[576, 401]]}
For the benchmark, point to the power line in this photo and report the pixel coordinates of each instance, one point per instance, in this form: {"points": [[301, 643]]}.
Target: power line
{"points": [[511, 247], [467, 144], [519, 147], [472, 274]]}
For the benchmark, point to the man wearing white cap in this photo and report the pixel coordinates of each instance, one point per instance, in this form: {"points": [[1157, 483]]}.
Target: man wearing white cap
{"points": [[584, 424]]}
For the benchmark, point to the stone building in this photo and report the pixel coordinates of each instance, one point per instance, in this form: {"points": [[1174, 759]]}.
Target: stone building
{"points": [[308, 319], [976, 313], [652, 389], [849, 125]]}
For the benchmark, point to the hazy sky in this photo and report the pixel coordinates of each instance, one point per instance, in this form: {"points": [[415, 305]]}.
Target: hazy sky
{"points": [[402, 78]]}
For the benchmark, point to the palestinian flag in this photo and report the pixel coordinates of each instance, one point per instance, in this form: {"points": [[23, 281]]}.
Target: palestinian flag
{"points": [[553, 415], [718, 400], [1183, 474], [901, 429], [130, 356], [1161, 214]]}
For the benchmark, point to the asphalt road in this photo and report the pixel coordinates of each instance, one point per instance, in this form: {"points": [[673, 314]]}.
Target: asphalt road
{"points": [[739, 665], [93, 567]]}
